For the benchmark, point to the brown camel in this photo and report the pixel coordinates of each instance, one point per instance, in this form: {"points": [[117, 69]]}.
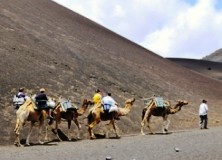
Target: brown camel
{"points": [[96, 115], [27, 112], [152, 109], [69, 115]]}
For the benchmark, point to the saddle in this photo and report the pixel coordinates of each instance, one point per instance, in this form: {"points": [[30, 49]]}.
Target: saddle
{"points": [[67, 106], [159, 102]]}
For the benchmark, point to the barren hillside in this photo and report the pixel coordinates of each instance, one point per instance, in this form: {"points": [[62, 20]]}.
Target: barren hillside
{"points": [[206, 68], [43, 44], [215, 56]]}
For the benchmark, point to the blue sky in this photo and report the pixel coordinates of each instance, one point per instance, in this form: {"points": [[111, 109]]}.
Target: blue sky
{"points": [[170, 28]]}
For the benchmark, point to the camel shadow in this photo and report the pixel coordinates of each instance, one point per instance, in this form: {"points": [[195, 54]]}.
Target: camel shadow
{"points": [[103, 136], [63, 136], [160, 133], [49, 143]]}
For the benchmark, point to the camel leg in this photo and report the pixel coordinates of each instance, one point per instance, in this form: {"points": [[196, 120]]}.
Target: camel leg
{"points": [[17, 126], [46, 129], [78, 126], [40, 132], [17, 133], [146, 118], [46, 133], [148, 125], [69, 126], [168, 123], [56, 130], [143, 122], [90, 128], [17, 141], [29, 134], [108, 127], [142, 127], [114, 127], [57, 121], [165, 126]]}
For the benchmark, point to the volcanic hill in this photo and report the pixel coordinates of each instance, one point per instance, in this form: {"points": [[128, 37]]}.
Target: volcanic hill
{"points": [[215, 56], [43, 44]]}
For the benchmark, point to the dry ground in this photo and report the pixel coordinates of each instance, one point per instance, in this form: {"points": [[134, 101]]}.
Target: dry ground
{"points": [[190, 144]]}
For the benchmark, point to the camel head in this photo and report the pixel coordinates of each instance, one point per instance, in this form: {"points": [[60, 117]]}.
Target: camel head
{"points": [[130, 101], [85, 103], [180, 103], [89, 102]]}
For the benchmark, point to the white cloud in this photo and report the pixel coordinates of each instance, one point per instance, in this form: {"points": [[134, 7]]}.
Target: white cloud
{"points": [[118, 12], [171, 28], [193, 33]]}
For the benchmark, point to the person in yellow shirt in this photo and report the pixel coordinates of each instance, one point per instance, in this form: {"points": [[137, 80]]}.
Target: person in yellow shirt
{"points": [[97, 98]]}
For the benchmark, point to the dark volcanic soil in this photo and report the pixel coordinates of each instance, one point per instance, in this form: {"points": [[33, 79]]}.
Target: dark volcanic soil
{"points": [[45, 45]]}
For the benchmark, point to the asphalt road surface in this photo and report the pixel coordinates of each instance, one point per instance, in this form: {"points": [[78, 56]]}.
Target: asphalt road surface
{"points": [[178, 145]]}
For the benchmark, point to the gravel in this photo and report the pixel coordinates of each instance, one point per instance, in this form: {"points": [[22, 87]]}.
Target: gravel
{"points": [[182, 145]]}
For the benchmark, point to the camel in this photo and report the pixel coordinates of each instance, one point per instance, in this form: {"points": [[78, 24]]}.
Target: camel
{"points": [[28, 112], [97, 115], [69, 115], [152, 109]]}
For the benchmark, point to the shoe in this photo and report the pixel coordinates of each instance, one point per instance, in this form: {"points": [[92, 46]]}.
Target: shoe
{"points": [[206, 128]]}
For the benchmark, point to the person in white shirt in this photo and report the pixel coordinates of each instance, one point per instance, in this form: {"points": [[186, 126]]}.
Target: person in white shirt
{"points": [[110, 105], [203, 109], [19, 98]]}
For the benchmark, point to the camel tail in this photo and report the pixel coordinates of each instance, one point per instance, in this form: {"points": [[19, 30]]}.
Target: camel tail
{"points": [[143, 112]]}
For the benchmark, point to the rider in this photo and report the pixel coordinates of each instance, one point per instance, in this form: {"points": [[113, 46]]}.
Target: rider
{"points": [[110, 105], [41, 100], [19, 98], [97, 97]]}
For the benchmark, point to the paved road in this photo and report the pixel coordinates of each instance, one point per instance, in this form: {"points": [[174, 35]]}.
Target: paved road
{"points": [[192, 144]]}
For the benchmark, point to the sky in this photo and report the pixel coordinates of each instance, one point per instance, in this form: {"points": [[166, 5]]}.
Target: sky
{"points": [[170, 28]]}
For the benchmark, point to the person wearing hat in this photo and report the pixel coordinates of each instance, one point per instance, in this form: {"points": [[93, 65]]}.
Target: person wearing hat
{"points": [[203, 109], [41, 100]]}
